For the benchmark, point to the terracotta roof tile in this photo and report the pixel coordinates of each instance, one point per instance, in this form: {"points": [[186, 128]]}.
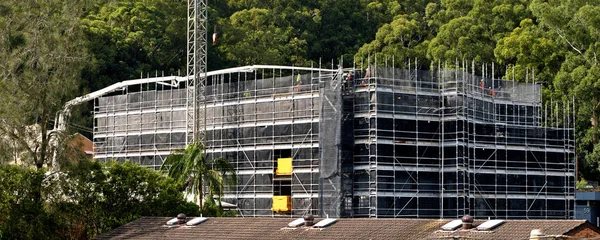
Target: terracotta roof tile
{"points": [[348, 228], [515, 229]]}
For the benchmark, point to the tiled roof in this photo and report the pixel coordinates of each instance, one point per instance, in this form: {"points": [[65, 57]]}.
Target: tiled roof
{"points": [[514, 229], [347, 228]]}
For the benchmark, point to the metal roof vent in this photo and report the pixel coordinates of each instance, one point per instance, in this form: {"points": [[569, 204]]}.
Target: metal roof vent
{"points": [[489, 225], [325, 222], [296, 223], [467, 222], [181, 218], [453, 225], [308, 220], [196, 221]]}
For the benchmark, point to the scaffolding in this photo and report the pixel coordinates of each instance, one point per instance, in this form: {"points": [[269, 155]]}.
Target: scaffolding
{"points": [[254, 118], [373, 142], [446, 142]]}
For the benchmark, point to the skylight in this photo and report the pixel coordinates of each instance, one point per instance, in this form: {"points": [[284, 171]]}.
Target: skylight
{"points": [[296, 223], [173, 221], [452, 225], [196, 221], [325, 222], [489, 225]]}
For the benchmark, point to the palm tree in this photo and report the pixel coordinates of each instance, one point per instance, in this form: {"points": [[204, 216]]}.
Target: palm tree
{"points": [[189, 166]]}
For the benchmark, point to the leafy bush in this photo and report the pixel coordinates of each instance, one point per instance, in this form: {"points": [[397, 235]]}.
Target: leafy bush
{"points": [[87, 199], [582, 184]]}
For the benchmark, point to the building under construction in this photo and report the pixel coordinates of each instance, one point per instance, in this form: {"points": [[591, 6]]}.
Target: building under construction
{"points": [[376, 142]]}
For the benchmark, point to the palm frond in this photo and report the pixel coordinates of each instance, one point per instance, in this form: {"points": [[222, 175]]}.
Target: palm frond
{"points": [[215, 182], [189, 166], [226, 170]]}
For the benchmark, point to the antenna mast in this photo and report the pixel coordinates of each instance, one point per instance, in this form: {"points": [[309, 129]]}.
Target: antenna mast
{"points": [[196, 71]]}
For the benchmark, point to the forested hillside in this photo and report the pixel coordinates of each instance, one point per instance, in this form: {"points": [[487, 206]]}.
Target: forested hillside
{"points": [[52, 51], [103, 42]]}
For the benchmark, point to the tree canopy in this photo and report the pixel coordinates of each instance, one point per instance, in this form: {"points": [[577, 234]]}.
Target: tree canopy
{"points": [[127, 39], [41, 58], [52, 51], [80, 47], [85, 199]]}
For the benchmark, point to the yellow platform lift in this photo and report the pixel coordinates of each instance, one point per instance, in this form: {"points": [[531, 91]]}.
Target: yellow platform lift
{"points": [[284, 167], [283, 204]]}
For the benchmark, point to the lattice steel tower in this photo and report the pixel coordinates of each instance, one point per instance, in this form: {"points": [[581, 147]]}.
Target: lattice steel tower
{"points": [[196, 70]]}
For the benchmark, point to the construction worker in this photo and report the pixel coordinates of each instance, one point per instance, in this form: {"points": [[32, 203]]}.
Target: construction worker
{"points": [[363, 83], [298, 83], [214, 36], [481, 84], [349, 80], [492, 92], [247, 93]]}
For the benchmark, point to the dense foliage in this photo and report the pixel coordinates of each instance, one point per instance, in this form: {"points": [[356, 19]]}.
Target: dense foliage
{"points": [[41, 55], [54, 50], [84, 200], [556, 40]]}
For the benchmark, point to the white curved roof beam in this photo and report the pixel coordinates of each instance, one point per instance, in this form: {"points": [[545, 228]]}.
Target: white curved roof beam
{"points": [[172, 81]]}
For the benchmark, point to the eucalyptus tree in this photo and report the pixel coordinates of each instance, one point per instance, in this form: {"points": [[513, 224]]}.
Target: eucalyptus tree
{"points": [[575, 27], [41, 54], [126, 38]]}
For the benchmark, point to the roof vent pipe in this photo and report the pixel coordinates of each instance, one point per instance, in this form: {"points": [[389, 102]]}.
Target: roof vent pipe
{"points": [[181, 218], [536, 234], [308, 220], [467, 222]]}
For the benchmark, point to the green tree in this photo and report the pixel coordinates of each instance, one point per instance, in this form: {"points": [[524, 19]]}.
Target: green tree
{"points": [[281, 30], [86, 199], [252, 37], [530, 48], [189, 166], [343, 27], [262, 36], [403, 38], [441, 12], [126, 38], [474, 35], [41, 54], [294, 32], [575, 26], [133, 191], [22, 216], [385, 11], [581, 184], [104, 196]]}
